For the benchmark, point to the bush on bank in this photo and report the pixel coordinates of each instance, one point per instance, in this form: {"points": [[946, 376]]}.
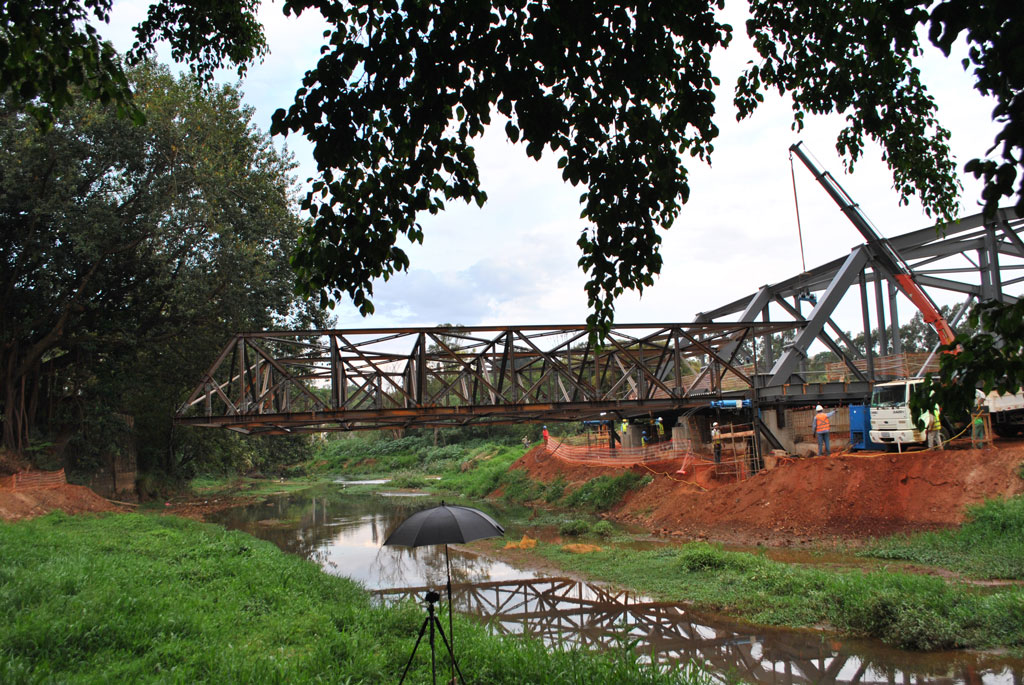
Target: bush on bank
{"points": [[133, 598]]}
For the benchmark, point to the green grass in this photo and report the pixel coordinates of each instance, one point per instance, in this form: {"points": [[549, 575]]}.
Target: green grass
{"points": [[989, 545], [132, 598], [905, 610]]}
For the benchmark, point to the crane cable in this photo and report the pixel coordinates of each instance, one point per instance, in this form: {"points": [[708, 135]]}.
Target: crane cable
{"points": [[796, 203]]}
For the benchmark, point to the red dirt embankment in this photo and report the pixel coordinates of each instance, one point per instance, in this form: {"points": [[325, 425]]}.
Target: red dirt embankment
{"points": [[31, 502], [849, 497]]}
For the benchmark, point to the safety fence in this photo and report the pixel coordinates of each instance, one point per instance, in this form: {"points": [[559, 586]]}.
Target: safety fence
{"points": [[33, 479], [738, 462], [619, 456]]}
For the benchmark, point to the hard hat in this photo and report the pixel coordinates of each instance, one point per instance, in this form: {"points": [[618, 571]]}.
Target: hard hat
{"points": [[715, 423], [545, 426], [819, 408]]}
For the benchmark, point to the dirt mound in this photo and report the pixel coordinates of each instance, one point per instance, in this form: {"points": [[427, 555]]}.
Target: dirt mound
{"points": [[32, 502], [807, 500]]}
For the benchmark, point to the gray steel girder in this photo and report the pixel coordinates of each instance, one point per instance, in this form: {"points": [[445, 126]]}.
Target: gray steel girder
{"points": [[819, 316]]}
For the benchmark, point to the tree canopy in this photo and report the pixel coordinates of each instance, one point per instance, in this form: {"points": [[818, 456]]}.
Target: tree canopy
{"points": [[129, 253], [620, 92], [623, 95]]}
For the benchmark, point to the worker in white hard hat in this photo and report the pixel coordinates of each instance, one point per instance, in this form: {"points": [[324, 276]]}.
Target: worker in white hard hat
{"points": [[544, 434], [821, 427], [716, 442]]}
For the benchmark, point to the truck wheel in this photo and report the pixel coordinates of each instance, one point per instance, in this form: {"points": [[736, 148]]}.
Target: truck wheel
{"points": [[1004, 430]]}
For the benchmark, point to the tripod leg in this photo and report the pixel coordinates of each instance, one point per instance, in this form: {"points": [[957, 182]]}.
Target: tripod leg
{"points": [[423, 629], [451, 653], [433, 663]]}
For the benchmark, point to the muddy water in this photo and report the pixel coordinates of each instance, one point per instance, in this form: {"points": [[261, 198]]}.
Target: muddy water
{"points": [[344, 534]]}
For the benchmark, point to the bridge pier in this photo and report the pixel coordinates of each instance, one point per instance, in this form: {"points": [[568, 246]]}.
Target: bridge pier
{"points": [[632, 436]]}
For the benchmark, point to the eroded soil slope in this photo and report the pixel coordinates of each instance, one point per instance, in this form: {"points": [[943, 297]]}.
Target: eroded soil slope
{"points": [[73, 499], [810, 500]]}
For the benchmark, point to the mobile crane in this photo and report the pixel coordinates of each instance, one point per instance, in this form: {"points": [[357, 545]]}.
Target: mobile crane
{"points": [[881, 252], [891, 420]]}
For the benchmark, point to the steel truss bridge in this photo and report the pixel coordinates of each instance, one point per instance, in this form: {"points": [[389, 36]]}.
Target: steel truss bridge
{"points": [[279, 382], [566, 612], [312, 381]]}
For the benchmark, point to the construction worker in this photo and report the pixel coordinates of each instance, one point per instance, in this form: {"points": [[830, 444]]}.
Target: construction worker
{"points": [[643, 438], [933, 428], [526, 442], [716, 442], [660, 427], [544, 434], [821, 429], [978, 422]]}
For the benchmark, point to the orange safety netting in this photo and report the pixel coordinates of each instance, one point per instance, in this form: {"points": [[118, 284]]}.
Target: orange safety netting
{"points": [[33, 479], [619, 456]]}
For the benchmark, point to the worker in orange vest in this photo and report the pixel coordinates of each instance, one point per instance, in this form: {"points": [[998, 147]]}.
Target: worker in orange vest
{"points": [[544, 434], [821, 429]]}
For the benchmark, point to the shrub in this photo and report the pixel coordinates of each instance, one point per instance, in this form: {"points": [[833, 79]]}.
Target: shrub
{"points": [[575, 527], [408, 481], [603, 529], [555, 489]]}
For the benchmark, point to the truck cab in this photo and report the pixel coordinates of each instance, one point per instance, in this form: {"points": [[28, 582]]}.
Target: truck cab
{"points": [[891, 422]]}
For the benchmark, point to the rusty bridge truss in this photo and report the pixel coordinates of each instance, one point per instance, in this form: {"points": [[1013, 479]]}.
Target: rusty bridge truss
{"points": [[305, 381]]}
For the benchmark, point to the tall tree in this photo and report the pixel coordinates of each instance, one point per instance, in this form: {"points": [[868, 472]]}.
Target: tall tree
{"points": [[130, 253]]}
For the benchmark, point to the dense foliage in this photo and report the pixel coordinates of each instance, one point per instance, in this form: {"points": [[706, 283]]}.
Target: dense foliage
{"points": [[988, 356], [128, 255]]}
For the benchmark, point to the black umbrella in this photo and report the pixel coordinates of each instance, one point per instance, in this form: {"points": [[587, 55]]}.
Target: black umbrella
{"points": [[443, 525]]}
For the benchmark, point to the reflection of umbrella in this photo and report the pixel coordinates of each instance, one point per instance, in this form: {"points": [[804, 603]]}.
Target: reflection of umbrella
{"points": [[443, 525]]}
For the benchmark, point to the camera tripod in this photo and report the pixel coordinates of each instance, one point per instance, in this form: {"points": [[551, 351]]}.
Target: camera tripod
{"points": [[431, 620]]}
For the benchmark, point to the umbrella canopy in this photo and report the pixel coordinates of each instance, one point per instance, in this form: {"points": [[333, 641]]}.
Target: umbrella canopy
{"points": [[444, 525]]}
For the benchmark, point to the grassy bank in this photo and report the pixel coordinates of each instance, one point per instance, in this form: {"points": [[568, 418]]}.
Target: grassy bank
{"points": [[133, 598], [904, 610], [989, 545]]}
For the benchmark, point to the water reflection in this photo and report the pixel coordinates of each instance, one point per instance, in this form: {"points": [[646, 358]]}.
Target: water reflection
{"points": [[568, 612], [344, 533]]}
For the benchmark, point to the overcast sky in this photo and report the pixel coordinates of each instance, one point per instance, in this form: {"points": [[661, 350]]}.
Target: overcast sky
{"points": [[514, 261]]}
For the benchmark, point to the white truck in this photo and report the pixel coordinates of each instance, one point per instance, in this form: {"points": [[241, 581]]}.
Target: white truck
{"points": [[892, 424], [1007, 413]]}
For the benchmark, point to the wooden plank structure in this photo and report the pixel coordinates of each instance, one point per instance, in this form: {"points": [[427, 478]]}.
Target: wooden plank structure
{"points": [[303, 381]]}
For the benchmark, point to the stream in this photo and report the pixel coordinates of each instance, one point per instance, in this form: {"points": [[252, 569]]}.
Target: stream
{"points": [[344, 532]]}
